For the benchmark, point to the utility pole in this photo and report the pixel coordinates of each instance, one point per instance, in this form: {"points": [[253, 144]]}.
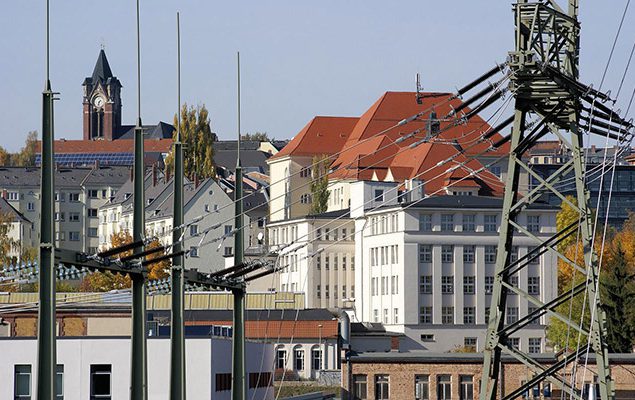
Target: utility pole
{"points": [[544, 80], [138, 364], [238, 337], [177, 337], [46, 355]]}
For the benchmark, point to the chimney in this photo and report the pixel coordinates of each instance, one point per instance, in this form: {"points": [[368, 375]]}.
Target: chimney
{"points": [[154, 174], [131, 174], [4, 194], [96, 164]]}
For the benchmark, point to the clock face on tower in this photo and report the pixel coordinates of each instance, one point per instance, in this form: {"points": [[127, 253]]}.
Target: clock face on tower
{"points": [[98, 101]]}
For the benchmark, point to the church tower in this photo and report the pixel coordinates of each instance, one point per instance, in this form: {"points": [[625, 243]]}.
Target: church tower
{"points": [[102, 102]]}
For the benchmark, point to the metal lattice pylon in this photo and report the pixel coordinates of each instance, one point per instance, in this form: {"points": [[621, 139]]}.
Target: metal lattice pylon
{"points": [[545, 83]]}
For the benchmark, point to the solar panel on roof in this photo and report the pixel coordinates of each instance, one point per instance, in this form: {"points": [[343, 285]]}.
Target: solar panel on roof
{"points": [[79, 159]]}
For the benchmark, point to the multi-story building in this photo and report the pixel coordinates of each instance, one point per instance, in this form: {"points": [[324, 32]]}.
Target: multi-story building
{"points": [[317, 253], [19, 230], [426, 267], [99, 368], [205, 199], [79, 192]]}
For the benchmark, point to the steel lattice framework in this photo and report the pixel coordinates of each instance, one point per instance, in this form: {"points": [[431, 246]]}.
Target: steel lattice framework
{"points": [[544, 80]]}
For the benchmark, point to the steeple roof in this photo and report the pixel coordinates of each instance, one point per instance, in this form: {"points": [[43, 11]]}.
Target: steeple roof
{"points": [[102, 70]]}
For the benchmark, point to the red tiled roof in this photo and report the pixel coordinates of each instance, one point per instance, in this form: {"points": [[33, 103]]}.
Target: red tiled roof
{"points": [[322, 135], [107, 146]]}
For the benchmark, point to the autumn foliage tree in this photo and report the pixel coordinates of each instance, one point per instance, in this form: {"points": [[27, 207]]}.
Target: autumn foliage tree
{"points": [[198, 140], [319, 184], [107, 281]]}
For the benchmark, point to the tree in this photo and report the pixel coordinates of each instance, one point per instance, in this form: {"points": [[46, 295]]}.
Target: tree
{"points": [[256, 137], [107, 281], [26, 156], [319, 184], [7, 243], [5, 157], [198, 140], [617, 291]]}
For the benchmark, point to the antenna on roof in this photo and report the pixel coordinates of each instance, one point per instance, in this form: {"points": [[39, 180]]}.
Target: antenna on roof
{"points": [[419, 89]]}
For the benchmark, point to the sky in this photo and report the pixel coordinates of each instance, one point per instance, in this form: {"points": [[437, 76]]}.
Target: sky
{"points": [[299, 59]]}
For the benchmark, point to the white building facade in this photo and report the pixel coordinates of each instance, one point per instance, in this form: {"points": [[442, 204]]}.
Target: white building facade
{"points": [[426, 268], [99, 368], [317, 253]]}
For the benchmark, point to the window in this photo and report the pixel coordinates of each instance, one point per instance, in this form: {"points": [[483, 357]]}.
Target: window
{"points": [[512, 315], [466, 389], [379, 195], [381, 387], [335, 293], [447, 315], [513, 255], [360, 387], [93, 194], [298, 357], [425, 222], [194, 230], [535, 257], [469, 315], [60, 197], [73, 217], [73, 197], [258, 380], [305, 198], [100, 382], [425, 253], [316, 359], [447, 253], [318, 234], [533, 223], [489, 284], [319, 291], [496, 170], [327, 233], [343, 291], [469, 254], [104, 193], [447, 222], [425, 315], [30, 206], [513, 280], [60, 235], [92, 232], [490, 254], [468, 284], [13, 196], [327, 292], [193, 251], [59, 216], [344, 237], [228, 251], [92, 213], [447, 284], [223, 382], [422, 388], [427, 337], [344, 262], [531, 310], [395, 316], [469, 222], [444, 387], [375, 315], [533, 285], [425, 284], [73, 236], [318, 261], [228, 229], [514, 343], [394, 284], [535, 345], [335, 262], [470, 343], [59, 382], [22, 382], [489, 224], [281, 359]]}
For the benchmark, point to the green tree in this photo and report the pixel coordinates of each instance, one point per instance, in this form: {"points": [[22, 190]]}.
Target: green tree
{"points": [[559, 334], [617, 291], [319, 184], [257, 136], [198, 140], [7, 244], [5, 157], [566, 216]]}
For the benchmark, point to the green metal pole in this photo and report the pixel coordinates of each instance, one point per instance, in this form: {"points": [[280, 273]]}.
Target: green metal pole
{"points": [[177, 360], [138, 363], [238, 338], [46, 316]]}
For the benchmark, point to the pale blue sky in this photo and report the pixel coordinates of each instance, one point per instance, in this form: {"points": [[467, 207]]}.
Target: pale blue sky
{"points": [[299, 58]]}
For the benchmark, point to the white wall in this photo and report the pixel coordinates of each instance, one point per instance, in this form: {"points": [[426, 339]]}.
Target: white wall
{"points": [[204, 358]]}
